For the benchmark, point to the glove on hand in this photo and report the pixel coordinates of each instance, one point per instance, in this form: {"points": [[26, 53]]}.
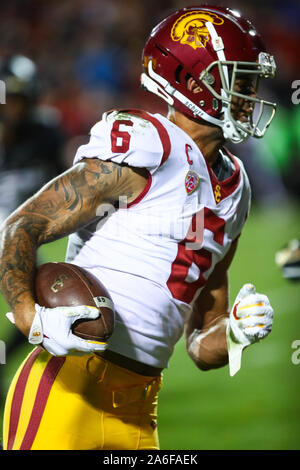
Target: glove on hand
{"points": [[250, 320], [51, 327]]}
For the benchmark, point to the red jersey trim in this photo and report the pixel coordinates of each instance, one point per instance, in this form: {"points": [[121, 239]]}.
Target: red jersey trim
{"points": [[162, 132], [143, 193], [225, 188], [166, 144]]}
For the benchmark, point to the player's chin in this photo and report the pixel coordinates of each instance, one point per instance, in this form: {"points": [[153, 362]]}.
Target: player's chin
{"points": [[218, 132]]}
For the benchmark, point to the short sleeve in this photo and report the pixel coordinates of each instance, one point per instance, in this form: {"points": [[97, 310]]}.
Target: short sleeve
{"points": [[122, 137]]}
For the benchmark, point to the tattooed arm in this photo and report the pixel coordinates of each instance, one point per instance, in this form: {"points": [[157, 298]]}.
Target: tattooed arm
{"points": [[61, 207]]}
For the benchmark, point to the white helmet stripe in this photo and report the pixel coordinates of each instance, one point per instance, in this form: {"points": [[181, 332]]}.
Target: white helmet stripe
{"points": [[218, 46]]}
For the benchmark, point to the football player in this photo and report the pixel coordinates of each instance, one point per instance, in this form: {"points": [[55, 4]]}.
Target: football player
{"points": [[175, 201], [288, 260]]}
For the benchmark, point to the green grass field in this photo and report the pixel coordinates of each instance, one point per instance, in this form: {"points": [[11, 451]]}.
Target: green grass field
{"points": [[259, 408]]}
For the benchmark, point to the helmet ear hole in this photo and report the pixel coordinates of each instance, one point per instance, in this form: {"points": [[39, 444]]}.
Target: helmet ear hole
{"points": [[186, 78], [177, 73]]}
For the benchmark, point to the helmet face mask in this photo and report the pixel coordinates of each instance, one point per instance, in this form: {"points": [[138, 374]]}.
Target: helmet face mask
{"points": [[263, 111], [216, 48]]}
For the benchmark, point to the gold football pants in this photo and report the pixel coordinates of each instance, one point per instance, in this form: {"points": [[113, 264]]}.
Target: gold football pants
{"points": [[79, 403]]}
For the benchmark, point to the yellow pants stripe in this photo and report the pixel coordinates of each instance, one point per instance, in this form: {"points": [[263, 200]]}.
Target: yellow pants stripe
{"points": [[34, 391], [77, 403], [48, 377], [15, 399]]}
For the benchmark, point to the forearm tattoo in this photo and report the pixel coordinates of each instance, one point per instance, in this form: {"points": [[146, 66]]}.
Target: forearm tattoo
{"points": [[64, 205]]}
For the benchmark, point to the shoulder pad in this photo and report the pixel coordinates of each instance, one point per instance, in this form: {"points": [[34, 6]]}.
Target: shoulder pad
{"points": [[133, 137]]}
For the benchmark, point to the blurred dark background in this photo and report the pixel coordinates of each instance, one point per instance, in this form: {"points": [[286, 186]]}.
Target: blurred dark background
{"points": [[84, 59], [88, 59]]}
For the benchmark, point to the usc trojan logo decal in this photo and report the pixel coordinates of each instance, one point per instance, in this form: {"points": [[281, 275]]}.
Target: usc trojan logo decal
{"points": [[190, 28]]}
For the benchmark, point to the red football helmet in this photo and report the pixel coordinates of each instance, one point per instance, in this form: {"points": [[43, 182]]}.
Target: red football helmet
{"points": [[213, 45]]}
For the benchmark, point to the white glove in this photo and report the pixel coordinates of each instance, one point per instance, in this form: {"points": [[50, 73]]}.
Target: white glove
{"points": [[250, 320], [52, 328]]}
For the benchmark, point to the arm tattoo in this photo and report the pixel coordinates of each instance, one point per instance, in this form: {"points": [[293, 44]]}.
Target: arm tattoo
{"points": [[61, 207]]}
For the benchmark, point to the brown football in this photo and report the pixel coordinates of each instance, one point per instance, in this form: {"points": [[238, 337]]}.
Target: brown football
{"points": [[64, 285]]}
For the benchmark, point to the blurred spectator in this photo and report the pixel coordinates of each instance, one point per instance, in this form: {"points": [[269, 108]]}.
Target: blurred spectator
{"points": [[88, 53], [30, 136]]}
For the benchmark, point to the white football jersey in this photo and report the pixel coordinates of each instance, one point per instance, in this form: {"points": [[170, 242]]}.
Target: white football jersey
{"points": [[156, 254]]}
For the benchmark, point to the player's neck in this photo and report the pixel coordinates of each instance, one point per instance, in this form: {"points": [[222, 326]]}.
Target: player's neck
{"points": [[209, 139]]}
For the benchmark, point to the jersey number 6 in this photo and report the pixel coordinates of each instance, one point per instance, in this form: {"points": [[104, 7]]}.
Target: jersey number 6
{"points": [[120, 139]]}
